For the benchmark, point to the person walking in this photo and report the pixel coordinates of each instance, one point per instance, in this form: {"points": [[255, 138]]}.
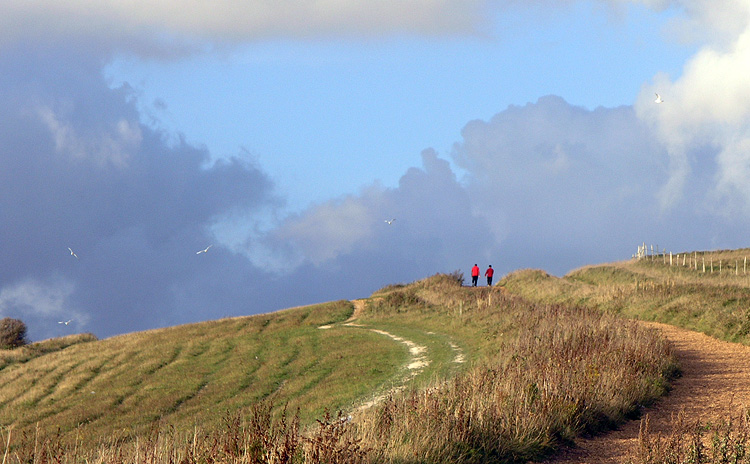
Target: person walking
{"points": [[474, 275], [489, 273]]}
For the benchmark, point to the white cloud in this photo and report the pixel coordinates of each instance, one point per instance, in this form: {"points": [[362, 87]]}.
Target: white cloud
{"points": [[435, 228], [326, 231], [551, 171], [698, 21], [706, 110]]}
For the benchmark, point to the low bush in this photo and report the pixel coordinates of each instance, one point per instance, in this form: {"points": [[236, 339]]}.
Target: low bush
{"points": [[12, 333]]}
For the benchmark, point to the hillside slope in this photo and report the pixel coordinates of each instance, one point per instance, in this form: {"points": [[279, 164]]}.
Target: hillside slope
{"points": [[429, 369], [704, 291]]}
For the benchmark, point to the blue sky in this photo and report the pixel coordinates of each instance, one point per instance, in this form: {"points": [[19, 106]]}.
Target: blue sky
{"points": [[517, 134], [328, 108]]}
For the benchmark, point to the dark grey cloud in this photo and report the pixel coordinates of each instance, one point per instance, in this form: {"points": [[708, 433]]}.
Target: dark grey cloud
{"points": [[79, 170]]}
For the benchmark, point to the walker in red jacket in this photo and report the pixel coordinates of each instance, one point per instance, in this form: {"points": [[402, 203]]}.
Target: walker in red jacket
{"points": [[474, 275], [490, 272]]}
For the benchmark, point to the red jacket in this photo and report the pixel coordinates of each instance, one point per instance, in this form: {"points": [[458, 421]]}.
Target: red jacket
{"points": [[490, 272], [475, 271]]}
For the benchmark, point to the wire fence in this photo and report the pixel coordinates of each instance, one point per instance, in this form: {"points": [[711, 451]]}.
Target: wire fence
{"points": [[695, 260]]}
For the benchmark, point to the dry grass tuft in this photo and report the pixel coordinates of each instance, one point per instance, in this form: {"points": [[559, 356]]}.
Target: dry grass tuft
{"points": [[258, 438], [689, 441]]}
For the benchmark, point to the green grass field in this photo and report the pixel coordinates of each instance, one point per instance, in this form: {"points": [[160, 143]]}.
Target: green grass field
{"points": [[506, 374], [194, 374]]}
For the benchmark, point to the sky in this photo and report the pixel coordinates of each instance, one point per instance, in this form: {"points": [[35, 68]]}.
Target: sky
{"points": [[285, 134]]}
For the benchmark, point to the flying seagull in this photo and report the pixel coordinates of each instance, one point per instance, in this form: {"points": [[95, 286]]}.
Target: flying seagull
{"points": [[204, 251], [658, 98], [391, 221], [73, 254], [65, 322]]}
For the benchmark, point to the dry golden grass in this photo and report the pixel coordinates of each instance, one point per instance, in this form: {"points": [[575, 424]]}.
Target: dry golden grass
{"points": [[713, 299], [689, 441], [259, 437], [713, 303], [547, 373]]}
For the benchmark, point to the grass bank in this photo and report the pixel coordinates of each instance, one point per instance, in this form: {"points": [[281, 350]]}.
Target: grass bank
{"points": [[541, 375], [708, 292]]}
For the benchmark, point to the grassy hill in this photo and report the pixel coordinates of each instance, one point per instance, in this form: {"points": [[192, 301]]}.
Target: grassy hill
{"points": [[704, 291], [505, 374]]}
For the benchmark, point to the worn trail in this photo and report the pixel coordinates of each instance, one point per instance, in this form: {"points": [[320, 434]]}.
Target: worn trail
{"points": [[715, 383], [419, 355]]}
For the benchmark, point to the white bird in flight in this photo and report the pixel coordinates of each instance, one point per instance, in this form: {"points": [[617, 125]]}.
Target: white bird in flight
{"points": [[73, 254], [65, 322], [203, 251], [658, 98], [391, 221]]}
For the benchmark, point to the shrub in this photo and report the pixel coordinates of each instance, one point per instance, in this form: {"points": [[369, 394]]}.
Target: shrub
{"points": [[12, 333], [458, 276]]}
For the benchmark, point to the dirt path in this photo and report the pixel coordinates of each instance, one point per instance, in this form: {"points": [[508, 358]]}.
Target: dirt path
{"points": [[715, 382], [419, 357]]}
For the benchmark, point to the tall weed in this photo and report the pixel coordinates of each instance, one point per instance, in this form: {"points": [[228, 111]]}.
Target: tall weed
{"points": [[258, 438], [689, 441]]}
